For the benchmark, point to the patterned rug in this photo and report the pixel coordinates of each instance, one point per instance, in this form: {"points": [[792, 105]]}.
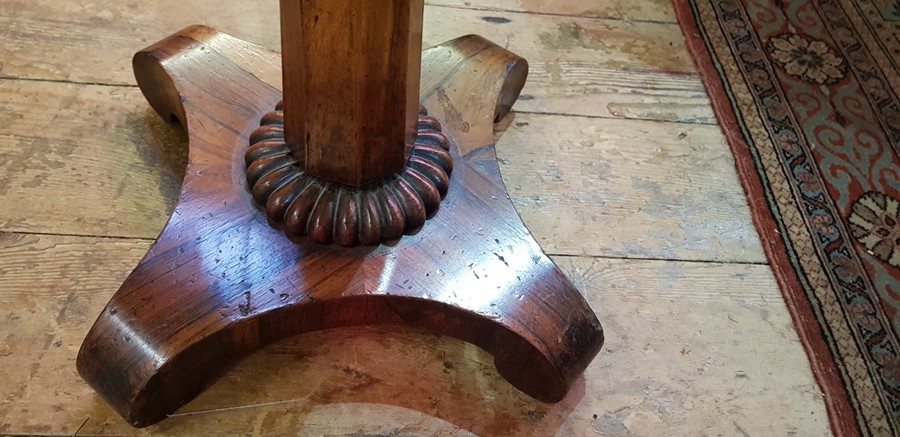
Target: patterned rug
{"points": [[807, 95]]}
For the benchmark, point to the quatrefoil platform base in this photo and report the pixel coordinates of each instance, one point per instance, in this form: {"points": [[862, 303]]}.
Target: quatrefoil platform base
{"points": [[220, 281]]}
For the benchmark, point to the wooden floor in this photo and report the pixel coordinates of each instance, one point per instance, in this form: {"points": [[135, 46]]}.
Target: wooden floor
{"points": [[613, 159]]}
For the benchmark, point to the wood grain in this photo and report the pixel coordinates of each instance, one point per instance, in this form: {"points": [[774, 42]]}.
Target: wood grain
{"points": [[351, 86], [584, 189], [608, 68], [92, 160], [110, 150], [367, 215], [738, 371], [678, 360], [220, 282], [627, 10]]}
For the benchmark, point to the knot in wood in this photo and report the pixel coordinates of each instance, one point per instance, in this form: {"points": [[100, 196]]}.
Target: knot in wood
{"points": [[326, 212]]}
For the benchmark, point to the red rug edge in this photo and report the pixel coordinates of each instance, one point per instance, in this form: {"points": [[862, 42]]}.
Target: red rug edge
{"points": [[840, 414]]}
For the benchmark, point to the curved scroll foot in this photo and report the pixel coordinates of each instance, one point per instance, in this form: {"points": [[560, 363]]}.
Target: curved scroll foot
{"points": [[220, 282]]}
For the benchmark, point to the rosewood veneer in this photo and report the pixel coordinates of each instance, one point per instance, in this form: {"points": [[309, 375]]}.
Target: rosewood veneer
{"points": [[347, 204]]}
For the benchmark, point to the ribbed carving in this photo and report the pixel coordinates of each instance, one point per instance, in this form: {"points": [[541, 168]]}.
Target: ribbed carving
{"points": [[331, 213]]}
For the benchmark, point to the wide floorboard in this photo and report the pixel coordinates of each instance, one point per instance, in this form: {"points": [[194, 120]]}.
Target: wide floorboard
{"points": [[612, 157]]}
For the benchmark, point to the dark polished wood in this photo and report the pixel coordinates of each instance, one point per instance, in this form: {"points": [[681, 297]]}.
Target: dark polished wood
{"points": [[220, 281], [351, 85], [304, 206], [349, 157]]}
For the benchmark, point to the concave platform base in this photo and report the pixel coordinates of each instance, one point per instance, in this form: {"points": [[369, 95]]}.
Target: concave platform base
{"points": [[220, 281]]}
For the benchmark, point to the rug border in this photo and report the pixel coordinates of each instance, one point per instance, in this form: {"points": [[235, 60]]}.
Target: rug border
{"points": [[841, 415]]}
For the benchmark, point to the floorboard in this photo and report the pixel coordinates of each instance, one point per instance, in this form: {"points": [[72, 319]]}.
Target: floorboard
{"points": [[581, 66], [612, 158], [692, 349]]}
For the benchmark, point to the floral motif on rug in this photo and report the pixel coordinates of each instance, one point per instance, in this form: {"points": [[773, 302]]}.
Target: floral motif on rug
{"points": [[875, 223], [807, 93]]}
